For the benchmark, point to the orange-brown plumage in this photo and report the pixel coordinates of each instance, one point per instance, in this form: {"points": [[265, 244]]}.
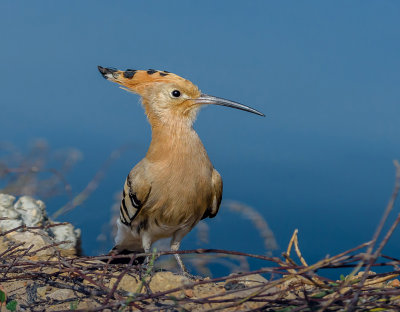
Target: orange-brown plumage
{"points": [[169, 191]]}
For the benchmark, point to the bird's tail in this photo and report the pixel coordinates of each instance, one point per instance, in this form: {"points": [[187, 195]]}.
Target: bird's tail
{"points": [[126, 244]]}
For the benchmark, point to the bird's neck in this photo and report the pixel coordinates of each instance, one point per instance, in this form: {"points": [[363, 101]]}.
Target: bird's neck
{"points": [[175, 140]]}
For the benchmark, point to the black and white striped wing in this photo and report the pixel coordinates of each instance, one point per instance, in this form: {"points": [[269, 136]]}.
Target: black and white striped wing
{"points": [[130, 203]]}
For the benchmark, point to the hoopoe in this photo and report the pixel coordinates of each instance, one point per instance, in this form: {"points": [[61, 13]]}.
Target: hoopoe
{"points": [[175, 186]]}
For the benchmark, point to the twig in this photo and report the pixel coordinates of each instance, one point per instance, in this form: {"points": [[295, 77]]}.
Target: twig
{"points": [[372, 259]]}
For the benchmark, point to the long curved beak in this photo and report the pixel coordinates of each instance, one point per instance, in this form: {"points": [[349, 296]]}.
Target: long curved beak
{"points": [[209, 99]]}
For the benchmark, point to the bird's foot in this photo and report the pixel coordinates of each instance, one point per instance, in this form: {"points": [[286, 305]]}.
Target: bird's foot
{"points": [[147, 267], [125, 259]]}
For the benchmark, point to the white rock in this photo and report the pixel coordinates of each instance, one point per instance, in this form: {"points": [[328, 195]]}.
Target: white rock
{"points": [[61, 294], [7, 211], [33, 212], [6, 200], [30, 212], [66, 233], [6, 225]]}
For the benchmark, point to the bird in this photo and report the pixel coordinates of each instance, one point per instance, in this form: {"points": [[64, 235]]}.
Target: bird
{"points": [[175, 185]]}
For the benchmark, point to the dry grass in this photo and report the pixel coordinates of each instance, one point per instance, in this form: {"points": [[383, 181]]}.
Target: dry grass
{"points": [[89, 284]]}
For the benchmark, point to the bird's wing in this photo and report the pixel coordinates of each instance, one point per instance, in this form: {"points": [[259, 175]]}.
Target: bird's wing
{"points": [[212, 211], [135, 194]]}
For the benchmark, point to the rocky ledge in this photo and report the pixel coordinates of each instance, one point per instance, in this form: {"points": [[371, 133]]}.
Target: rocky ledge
{"points": [[41, 269], [25, 221]]}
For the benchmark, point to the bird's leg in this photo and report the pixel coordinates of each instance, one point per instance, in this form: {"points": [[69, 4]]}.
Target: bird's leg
{"points": [[175, 247], [175, 243], [146, 243]]}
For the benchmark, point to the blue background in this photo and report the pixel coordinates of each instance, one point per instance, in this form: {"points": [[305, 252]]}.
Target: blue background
{"points": [[326, 74]]}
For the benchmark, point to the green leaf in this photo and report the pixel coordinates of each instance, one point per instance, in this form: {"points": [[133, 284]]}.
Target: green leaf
{"points": [[12, 305], [342, 278], [2, 296], [73, 305], [355, 281], [320, 294], [173, 298]]}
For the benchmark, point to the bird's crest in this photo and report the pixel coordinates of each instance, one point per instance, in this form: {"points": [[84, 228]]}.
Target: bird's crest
{"points": [[137, 80]]}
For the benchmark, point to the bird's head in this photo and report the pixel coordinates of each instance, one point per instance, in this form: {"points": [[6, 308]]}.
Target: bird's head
{"points": [[166, 96]]}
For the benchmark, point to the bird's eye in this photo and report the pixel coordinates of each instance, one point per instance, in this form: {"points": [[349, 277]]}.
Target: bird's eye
{"points": [[176, 93]]}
